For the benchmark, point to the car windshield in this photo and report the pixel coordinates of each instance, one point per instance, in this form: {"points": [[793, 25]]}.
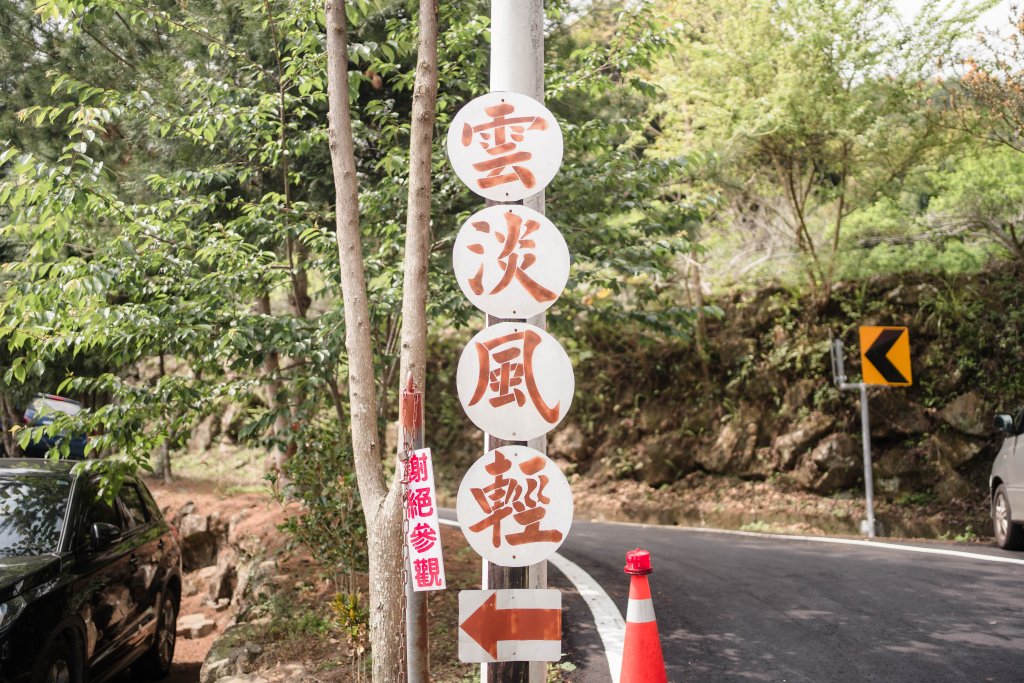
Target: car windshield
{"points": [[32, 511]]}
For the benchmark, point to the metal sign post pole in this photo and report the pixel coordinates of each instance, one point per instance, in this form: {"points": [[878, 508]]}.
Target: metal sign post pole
{"points": [[869, 488], [517, 65], [839, 377], [416, 635]]}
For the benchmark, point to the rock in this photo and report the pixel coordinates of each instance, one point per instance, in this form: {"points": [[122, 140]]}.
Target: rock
{"points": [[735, 449], [186, 509], [566, 443], [952, 487], [892, 415], [224, 578], [251, 579], [790, 445], [231, 654], [951, 450], [199, 543], [203, 434], [193, 626], [286, 673], [230, 422], [966, 413], [660, 459], [243, 679], [834, 464]]}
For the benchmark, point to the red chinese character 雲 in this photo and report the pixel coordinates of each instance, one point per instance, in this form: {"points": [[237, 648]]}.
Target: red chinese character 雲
{"points": [[499, 137]]}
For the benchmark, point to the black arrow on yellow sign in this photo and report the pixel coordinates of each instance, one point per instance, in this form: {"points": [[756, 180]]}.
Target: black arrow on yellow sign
{"points": [[885, 355]]}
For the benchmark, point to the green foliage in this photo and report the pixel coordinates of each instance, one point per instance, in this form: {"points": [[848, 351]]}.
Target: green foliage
{"points": [[331, 525]]}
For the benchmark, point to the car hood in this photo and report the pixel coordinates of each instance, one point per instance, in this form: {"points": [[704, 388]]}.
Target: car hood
{"points": [[19, 574]]}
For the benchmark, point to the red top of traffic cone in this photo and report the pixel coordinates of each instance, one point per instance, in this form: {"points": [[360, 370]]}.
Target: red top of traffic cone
{"points": [[638, 562]]}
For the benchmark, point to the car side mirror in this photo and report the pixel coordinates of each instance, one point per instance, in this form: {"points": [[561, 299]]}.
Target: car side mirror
{"points": [[103, 536], [1004, 423]]}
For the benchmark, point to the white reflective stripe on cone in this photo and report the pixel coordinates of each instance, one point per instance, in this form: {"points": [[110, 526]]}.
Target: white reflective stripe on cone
{"points": [[640, 611]]}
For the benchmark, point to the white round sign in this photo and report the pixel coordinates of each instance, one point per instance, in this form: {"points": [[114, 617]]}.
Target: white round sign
{"points": [[505, 146], [511, 261], [515, 381], [514, 506]]}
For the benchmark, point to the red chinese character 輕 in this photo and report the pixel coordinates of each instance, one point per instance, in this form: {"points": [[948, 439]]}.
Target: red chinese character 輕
{"points": [[499, 137], [427, 572], [420, 503], [512, 356], [422, 537], [515, 258], [506, 497]]}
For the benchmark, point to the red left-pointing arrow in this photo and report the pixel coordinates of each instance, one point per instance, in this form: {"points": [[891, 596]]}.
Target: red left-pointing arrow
{"points": [[488, 624]]}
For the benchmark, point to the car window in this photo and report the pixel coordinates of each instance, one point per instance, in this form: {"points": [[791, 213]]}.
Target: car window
{"points": [[97, 510], [135, 509], [32, 513], [1018, 424]]}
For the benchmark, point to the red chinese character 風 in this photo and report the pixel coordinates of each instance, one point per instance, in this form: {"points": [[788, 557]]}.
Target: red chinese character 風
{"points": [[422, 537], [515, 258], [512, 356], [499, 137], [507, 497]]}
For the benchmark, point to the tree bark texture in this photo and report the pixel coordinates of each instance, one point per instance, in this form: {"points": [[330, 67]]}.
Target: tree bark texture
{"points": [[271, 370], [381, 507], [417, 225], [8, 418]]}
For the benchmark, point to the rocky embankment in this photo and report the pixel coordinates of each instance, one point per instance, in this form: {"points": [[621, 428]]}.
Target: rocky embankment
{"points": [[232, 560]]}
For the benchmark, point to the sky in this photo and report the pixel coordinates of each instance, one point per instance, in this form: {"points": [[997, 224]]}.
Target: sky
{"points": [[994, 18]]}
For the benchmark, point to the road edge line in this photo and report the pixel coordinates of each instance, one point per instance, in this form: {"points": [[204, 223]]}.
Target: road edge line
{"points": [[827, 539], [611, 627]]}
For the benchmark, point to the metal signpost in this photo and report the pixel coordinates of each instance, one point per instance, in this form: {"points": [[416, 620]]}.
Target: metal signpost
{"points": [[885, 361], [514, 379]]}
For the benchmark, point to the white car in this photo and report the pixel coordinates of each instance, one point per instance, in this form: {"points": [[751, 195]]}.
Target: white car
{"points": [[1006, 484]]}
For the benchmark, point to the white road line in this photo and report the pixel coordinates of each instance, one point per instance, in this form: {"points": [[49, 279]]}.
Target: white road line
{"points": [[835, 541], [607, 618]]}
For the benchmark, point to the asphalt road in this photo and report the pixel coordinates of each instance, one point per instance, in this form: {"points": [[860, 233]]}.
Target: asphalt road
{"points": [[740, 608]]}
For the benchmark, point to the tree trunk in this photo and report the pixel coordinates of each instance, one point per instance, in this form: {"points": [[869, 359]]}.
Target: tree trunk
{"points": [[381, 507], [417, 226], [271, 368], [8, 418]]}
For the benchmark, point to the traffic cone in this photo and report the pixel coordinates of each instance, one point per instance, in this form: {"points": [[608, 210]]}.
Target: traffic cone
{"points": [[642, 661]]}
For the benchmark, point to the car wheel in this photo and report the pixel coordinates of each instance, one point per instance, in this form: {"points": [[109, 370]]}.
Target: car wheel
{"points": [[59, 662], [1009, 534], [156, 663]]}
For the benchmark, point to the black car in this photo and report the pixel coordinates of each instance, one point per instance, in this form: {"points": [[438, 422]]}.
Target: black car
{"points": [[87, 586]]}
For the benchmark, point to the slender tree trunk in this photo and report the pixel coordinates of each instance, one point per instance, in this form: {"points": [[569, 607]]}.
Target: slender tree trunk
{"points": [[381, 505], [701, 332], [271, 368], [165, 448], [417, 226], [8, 418]]}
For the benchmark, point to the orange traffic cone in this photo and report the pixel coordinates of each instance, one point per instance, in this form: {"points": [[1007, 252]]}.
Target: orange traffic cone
{"points": [[642, 661]]}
